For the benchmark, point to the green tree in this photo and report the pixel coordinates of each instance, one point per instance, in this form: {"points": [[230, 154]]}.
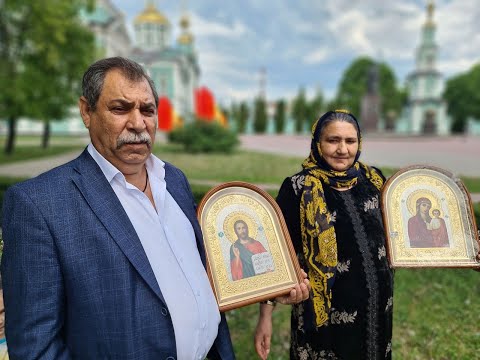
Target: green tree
{"points": [[242, 118], [299, 110], [462, 94], [315, 107], [234, 114], [260, 115], [280, 116], [354, 82], [44, 48]]}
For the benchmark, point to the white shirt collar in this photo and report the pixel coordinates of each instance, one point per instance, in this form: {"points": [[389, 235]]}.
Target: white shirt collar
{"points": [[155, 166]]}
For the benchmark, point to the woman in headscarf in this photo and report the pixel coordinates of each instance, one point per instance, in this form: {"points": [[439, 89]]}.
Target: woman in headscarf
{"points": [[332, 210]]}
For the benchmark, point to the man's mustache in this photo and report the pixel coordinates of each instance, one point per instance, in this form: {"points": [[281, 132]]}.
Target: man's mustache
{"points": [[134, 138]]}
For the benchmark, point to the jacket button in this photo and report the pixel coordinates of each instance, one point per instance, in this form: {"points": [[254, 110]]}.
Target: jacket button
{"points": [[164, 311], [170, 358]]}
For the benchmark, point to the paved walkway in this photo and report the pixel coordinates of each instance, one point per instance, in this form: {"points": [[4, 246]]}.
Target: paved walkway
{"points": [[460, 155], [31, 168], [457, 154]]}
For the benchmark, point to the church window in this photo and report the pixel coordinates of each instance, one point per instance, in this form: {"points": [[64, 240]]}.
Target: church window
{"points": [[430, 85], [163, 86], [148, 40]]}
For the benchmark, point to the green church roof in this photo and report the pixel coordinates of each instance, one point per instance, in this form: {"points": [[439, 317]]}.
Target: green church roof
{"points": [[100, 15]]}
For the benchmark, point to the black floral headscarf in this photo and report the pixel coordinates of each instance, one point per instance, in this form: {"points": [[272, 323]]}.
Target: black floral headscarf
{"points": [[317, 223]]}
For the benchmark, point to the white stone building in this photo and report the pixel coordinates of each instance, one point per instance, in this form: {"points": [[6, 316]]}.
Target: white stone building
{"points": [[426, 111]]}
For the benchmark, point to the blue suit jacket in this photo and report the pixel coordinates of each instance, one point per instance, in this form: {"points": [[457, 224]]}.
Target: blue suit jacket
{"points": [[77, 282]]}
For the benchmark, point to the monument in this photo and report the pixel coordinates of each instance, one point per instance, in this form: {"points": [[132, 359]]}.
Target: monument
{"points": [[371, 101]]}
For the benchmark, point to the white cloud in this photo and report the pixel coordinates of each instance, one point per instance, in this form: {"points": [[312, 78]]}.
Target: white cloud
{"points": [[310, 42], [458, 36], [207, 27], [223, 65], [317, 56]]}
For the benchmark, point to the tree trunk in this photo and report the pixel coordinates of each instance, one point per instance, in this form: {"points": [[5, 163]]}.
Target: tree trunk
{"points": [[46, 134], [10, 144]]}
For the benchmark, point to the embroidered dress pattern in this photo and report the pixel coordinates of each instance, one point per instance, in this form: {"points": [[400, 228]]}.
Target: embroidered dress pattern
{"points": [[362, 268], [343, 266], [337, 317], [372, 280]]}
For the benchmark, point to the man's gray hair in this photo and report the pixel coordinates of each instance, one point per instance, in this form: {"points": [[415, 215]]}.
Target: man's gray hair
{"points": [[94, 77]]}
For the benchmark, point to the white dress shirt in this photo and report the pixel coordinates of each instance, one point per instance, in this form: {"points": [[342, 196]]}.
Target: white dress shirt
{"points": [[168, 239]]}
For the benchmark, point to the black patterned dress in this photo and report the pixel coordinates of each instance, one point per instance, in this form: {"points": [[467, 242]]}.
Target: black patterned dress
{"points": [[360, 321]]}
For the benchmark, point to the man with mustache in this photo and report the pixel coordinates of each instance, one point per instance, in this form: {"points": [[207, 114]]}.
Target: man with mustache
{"points": [[104, 256]]}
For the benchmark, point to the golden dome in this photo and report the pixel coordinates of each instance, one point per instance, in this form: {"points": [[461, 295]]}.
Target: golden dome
{"points": [[185, 39], [184, 22], [151, 15]]}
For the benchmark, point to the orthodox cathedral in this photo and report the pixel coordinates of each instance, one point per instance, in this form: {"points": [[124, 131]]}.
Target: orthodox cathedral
{"points": [[173, 66]]}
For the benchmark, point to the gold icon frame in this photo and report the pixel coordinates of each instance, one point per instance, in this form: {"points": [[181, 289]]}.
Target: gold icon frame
{"points": [[412, 238], [217, 212]]}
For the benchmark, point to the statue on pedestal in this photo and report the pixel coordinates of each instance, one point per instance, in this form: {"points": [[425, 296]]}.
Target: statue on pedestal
{"points": [[370, 105]]}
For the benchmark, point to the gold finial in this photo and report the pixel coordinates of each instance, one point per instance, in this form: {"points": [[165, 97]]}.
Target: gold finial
{"points": [[185, 38], [430, 9], [184, 22]]}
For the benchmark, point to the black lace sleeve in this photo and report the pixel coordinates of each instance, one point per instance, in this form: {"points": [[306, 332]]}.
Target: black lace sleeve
{"points": [[289, 203]]}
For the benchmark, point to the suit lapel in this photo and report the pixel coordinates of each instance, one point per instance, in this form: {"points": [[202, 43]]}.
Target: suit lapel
{"points": [[104, 203]]}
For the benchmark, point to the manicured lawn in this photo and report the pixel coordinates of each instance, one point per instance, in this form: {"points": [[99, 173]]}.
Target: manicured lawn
{"points": [[436, 316], [27, 147], [472, 184], [35, 152], [241, 165]]}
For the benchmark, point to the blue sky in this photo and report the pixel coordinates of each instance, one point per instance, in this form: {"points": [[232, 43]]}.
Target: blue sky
{"points": [[309, 43]]}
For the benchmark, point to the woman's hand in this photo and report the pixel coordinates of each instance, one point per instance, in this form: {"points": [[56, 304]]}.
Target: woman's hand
{"points": [[298, 294], [478, 255], [263, 332]]}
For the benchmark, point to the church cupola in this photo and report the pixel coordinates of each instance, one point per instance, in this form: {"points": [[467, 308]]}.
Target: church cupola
{"points": [[185, 39], [152, 28], [427, 52]]}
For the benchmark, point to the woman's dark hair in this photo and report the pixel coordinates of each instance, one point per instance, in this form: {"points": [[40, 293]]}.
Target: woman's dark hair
{"points": [[333, 116], [94, 77], [319, 126]]}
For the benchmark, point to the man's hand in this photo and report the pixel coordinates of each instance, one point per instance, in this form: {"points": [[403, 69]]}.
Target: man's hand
{"points": [[298, 294], [236, 252]]}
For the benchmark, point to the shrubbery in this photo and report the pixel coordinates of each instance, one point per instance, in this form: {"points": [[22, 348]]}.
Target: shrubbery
{"points": [[201, 136]]}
